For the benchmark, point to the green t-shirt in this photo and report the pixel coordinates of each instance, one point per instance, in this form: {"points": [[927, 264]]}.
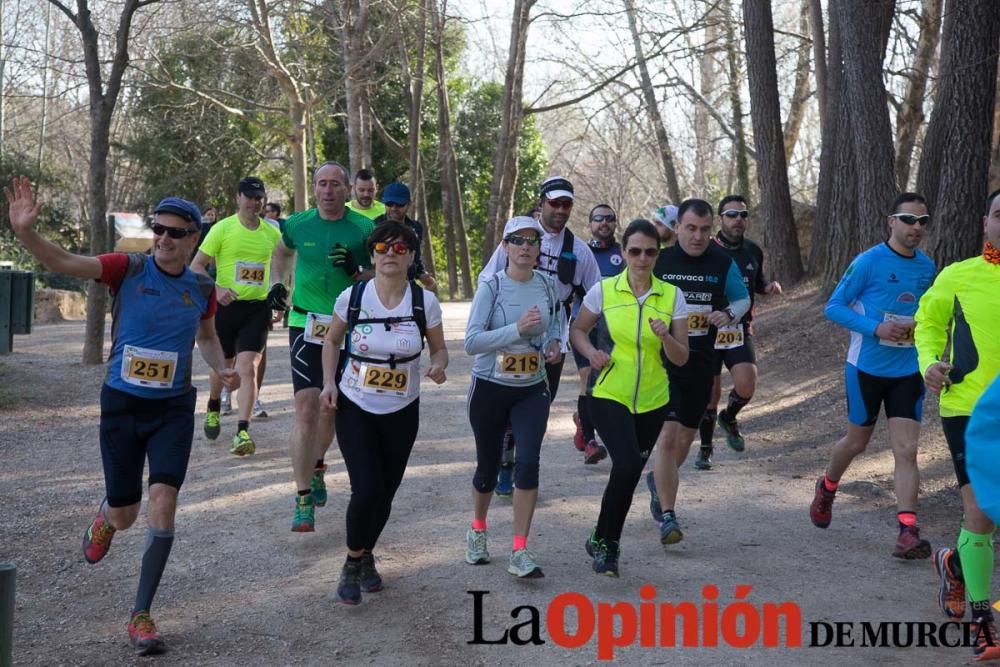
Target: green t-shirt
{"points": [[375, 210], [317, 283], [242, 256]]}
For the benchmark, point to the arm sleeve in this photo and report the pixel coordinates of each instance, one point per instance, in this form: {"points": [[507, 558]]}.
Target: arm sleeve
{"points": [[497, 262], [593, 300], [736, 292], [478, 338], [588, 272], [285, 233], [113, 268], [838, 308], [555, 321], [933, 318]]}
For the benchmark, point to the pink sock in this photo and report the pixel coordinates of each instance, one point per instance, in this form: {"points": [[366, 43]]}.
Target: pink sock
{"points": [[520, 542], [479, 524], [907, 518], [829, 484]]}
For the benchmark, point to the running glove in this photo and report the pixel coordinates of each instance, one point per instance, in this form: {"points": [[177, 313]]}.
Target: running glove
{"points": [[277, 297], [342, 257]]}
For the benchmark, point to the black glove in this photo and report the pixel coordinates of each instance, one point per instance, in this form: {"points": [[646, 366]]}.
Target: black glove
{"points": [[277, 297], [343, 257]]}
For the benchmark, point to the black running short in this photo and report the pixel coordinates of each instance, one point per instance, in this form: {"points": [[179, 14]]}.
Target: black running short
{"points": [[134, 429], [954, 434], [902, 396], [744, 354], [242, 327], [691, 388], [307, 361]]}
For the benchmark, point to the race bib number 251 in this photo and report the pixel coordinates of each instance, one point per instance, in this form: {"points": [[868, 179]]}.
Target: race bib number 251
{"points": [[143, 367]]}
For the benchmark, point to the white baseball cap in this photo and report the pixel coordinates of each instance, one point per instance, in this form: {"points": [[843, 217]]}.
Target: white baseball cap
{"points": [[666, 215], [519, 222]]}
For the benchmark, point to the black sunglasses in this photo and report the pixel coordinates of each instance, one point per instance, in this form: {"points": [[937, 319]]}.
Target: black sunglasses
{"points": [[733, 213], [610, 217], [521, 240], [910, 219], [650, 252], [173, 232]]}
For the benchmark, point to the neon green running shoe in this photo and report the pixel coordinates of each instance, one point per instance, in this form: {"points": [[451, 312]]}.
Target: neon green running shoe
{"points": [[212, 425], [318, 486], [304, 519], [243, 444]]}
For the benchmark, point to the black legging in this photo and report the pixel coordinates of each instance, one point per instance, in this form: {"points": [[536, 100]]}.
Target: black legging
{"points": [[491, 407], [553, 372], [630, 439], [376, 449]]}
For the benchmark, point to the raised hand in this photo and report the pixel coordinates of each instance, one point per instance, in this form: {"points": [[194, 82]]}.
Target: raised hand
{"points": [[23, 208]]}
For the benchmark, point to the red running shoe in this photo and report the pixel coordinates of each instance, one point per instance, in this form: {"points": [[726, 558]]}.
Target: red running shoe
{"points": [[910, 546], [821, 509], [594, 452], [97, 539], [143, 635], [578, 440]]}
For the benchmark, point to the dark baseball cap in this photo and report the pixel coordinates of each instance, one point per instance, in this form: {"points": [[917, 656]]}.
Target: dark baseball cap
{"points": [[396, 193], [251, 186], [180, 207], [555, 188]]}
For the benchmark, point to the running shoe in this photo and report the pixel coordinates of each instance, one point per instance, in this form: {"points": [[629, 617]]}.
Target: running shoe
{"points": [[371, 581], [318, 486], [910, 546], [592, 544], [951, 590], [227, 402], [507, 450], [304, 519], [606, 558], [258, 410], [732, 430], [654, 498], [821, 509], [475, 549], [594, 452], [243, 444], [579, 441], [349, 586], [670, 530], [523, 565], [505, 481], [212, 425], [704, 460], [97, 539], [985, 635], [143, 635]]}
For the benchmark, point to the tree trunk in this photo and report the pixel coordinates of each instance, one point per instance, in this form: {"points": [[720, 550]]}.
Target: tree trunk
{"points": [[414, 88], [780, 237], [652, 108], [911, 112], [968, 84], [297, 146], [736, 102], [709, 67], [797, 108], [511, 117], [864, 30], [932, 149], [819, 57], [355, 17]]}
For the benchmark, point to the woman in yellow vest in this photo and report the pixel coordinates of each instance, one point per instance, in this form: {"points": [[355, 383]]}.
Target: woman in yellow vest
{"points": [[644, 318]]}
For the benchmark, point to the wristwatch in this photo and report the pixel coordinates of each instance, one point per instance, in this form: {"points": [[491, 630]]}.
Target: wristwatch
{"points": [[729, 311]]}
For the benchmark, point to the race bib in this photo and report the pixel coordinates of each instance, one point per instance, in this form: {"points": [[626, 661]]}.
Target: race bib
{"points": [[907, 340], [383, 380], [729, 337], [316, 327], [143, 367], [698, 320], [249, 273], [518, 365]]}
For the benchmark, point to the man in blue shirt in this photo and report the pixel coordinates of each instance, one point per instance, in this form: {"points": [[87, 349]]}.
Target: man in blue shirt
{"points": [[876, 300]]}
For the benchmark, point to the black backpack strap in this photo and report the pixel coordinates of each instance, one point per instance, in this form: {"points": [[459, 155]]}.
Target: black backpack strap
{"points": [[354, 318], [354, 305], [419, 315], [566, 264]]}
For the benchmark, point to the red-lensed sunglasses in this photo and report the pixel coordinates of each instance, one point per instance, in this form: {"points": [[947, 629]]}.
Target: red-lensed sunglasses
{"points": [[399, 248]]}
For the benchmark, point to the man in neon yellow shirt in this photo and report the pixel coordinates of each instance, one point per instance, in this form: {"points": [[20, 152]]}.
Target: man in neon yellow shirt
{"points": [[240, 247], [364, 201], [963, 306]]}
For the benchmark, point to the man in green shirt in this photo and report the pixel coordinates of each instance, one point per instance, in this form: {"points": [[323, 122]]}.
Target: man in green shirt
{"points": [[364, 201], [328, 244], [240, 247]]}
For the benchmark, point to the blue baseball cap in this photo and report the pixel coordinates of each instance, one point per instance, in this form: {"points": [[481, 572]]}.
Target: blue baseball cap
{"points": [[180, 207], [396, 193]]}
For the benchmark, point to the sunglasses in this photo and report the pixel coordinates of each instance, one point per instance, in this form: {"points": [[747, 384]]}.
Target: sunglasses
{"points": [[560, 203], [173, 232], [521, 240], [398, 248], [910, 219], [607, 217], [649, 252], [733, 213]]}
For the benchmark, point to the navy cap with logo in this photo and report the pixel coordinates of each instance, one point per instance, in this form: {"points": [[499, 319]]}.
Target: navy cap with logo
{"points": [[180, 207], [556, 187], [396, 193], [251, 186]]}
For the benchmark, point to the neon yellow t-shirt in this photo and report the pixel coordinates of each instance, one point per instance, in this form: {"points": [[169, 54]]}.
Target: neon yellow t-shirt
{"points": [[375, 210], [242, 256]]}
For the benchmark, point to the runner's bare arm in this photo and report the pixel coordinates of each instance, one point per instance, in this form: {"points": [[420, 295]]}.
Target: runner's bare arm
{"points": [[439, 354], [331, 358], [211, 352], [201, 262], [23, 212]]}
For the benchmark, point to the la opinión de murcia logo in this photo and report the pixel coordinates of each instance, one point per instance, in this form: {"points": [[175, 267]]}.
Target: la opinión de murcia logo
{"points": [[572, 620]]}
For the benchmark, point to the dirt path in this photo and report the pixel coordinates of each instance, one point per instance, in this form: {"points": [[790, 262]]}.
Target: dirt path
{"points": [[241, 589]]}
